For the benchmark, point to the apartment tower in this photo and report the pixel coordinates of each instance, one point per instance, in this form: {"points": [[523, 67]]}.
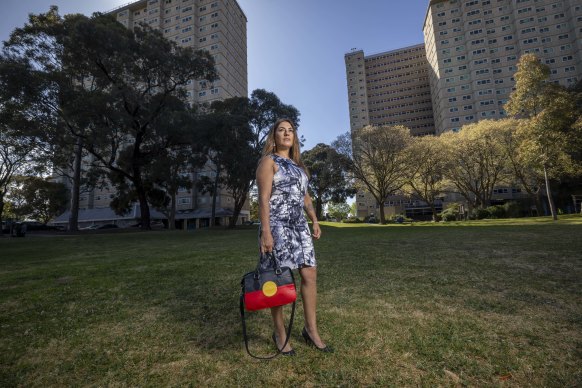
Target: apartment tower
{"points": [[473, 48], [218, 26], [390, 88]]}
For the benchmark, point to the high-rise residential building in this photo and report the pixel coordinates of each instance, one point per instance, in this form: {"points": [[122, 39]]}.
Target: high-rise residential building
{"points": [[390, 88], [218, 26], [473, 47]]}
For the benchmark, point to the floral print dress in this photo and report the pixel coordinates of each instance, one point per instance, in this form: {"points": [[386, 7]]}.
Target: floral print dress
{"points": [[293, 246]]}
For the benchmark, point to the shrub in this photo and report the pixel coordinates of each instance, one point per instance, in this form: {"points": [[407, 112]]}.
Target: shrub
{"points": [[352, 220], [479, 214], [450, 214], [512, 209], [496, 211]]}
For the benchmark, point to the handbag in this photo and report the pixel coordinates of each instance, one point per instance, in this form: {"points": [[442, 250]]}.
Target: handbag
{"points": [[264, 288]]}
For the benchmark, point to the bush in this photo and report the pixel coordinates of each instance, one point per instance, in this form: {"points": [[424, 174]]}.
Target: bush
{"points": [[496, 211], [451, 212], [448, 216], [512, 209], [479, 214], [352, 220]]}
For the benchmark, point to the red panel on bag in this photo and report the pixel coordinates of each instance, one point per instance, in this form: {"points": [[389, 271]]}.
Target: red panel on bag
{"points": [[257, 300]]}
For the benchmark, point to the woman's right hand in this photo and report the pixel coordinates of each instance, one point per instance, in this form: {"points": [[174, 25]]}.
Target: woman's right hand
{"points": [[266, 242]]}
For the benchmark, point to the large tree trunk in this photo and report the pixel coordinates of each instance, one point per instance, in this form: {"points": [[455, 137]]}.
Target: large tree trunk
{"points": [[318, 207], [76, 187], [434, 212], [382, 217], [214, 195], [172, 217], [549, 194], [1, 207], [144, 207], [235, 213]]}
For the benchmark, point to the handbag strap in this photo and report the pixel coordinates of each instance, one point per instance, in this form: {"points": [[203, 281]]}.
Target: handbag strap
{"points": [[246, 338], [244, 326]]}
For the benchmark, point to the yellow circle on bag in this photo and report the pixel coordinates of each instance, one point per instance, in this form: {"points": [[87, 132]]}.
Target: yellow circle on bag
{"points": [[269, 288]]}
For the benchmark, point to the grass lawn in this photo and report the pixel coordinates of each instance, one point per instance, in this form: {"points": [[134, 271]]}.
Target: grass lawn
{"points": [[482, 303]]}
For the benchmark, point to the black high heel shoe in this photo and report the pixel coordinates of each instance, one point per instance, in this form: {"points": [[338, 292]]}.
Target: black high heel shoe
{"points": [[325, 349], [289, 353]]}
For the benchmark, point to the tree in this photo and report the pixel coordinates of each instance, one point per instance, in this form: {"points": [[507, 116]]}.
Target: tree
{"points": [[522, 172], [330, 180], [475, 161], [38, 199], [548, 114], [250, 121], [230, 140], [126, 82], [15, 159], [378, 159], [42, 93], [339, 211], [426, 166]]}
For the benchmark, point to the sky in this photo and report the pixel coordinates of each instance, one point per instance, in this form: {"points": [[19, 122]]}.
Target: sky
{"points": [[295, 48]]}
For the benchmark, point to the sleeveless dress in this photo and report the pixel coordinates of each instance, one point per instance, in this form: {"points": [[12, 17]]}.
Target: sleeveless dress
{"points": [[293, 246]]}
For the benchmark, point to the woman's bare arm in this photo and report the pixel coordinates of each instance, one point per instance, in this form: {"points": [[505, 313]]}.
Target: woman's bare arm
{"points": [[265, 174]]}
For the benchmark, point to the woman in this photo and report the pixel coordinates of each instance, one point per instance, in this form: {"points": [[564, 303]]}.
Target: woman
{"points": [[282, 182]]}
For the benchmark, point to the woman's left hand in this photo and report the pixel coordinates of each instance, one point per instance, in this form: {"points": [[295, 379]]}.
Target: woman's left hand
{"points": [[316, 231]]}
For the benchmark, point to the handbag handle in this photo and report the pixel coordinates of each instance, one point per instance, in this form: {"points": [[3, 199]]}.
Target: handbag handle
{"points": [[272, 259]]}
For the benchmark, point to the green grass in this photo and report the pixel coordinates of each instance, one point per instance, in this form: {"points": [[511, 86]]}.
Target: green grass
{"points": [[484, 303]]}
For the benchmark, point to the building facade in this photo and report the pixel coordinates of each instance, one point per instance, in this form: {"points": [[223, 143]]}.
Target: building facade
{"points": [[473, 47], [390, 88], [219, 27]]}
